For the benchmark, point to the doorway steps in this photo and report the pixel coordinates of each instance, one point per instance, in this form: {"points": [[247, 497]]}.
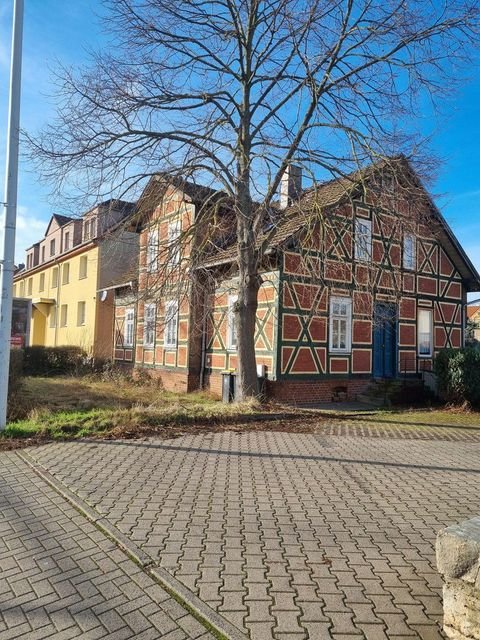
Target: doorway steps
{"points": [[385, 392]]}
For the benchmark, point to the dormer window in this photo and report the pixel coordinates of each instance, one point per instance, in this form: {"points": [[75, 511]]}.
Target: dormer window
{"points": [[66, 243], [89, 229], [52, 247]]}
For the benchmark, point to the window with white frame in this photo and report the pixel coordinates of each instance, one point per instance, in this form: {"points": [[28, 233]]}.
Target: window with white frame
{"points": [[63, 315], [232, 331], [41, 285], [363, 239], [81, 313], [83, 266], [129, 327], [53, 317], [171, 324], [174, 231], [55, 278], [409, 251], [88, 229], [66, 273], [149, 325], [340, 324], [425, 332], [152, 251]]}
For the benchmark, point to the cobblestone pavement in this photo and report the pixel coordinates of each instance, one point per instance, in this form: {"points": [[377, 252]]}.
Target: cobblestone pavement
{"points": [[61, 578], [288, 536]]}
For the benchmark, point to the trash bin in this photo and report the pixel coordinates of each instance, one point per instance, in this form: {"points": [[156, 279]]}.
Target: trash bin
{"points": [[228, 386]]}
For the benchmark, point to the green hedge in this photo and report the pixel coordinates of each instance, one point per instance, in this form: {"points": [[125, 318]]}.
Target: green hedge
{"points": [[54, 361], [458, 373]]}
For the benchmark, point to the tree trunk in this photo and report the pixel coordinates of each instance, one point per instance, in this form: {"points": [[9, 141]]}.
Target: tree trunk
{"points": [[245, 308], [246, 315]]}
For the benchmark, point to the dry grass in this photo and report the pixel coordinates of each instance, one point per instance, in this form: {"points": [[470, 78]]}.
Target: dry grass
{"points": [[68, 407]]}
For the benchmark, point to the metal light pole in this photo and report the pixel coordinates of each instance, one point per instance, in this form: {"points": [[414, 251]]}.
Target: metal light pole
{"points": [[10, 205]]}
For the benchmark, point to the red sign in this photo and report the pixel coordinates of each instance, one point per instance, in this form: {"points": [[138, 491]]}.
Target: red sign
{"points": [[16, 342]]}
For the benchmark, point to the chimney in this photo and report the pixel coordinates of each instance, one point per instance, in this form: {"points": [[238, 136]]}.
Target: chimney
{"points": [[291, 185]]}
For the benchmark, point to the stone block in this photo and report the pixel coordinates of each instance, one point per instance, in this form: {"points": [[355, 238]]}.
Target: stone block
{"points": [[458, 559]]}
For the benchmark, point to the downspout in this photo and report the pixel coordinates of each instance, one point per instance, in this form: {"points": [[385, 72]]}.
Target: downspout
{"points": [[57, 309], [203, 349]]}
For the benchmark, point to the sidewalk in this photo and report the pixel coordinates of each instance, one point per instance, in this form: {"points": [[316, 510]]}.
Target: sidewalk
{"points": [[61, 578]]}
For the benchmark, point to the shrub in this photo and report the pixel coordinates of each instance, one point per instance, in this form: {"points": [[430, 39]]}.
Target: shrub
{"points": [[15, 372], [458, 373], [55, 361]]}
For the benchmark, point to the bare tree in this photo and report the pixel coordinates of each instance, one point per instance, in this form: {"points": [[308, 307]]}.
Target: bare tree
{"points": [[232, 92]]}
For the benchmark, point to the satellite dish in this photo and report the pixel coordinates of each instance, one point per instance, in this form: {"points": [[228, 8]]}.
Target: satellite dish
{"points": [[103, 296]]}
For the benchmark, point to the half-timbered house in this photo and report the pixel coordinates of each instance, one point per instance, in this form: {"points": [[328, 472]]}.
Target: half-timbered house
{"points": [[362, 278]]}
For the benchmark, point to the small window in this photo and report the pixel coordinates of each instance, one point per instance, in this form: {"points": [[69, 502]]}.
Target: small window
{"points": [[340, 324], [174, 231], [53, 317], [171, 324], [363, 239], [149, 325], [425, 332], [86, 230], [66, 242], [409, 251], [52, 247], [55, 278], [22, 289], [63, 315], [66, 273], [41, 285], [14, 290], [388, 181], [129, 327], [232, 333], [30, 286], [82, 271], [43, 254], [152, 251], [81, 311]]}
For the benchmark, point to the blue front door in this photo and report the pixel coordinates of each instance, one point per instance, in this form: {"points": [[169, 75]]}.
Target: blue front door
{"points": [[384, 340]]}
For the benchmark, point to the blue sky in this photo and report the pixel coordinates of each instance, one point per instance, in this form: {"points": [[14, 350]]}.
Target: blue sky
{"points": [[67, 30]]}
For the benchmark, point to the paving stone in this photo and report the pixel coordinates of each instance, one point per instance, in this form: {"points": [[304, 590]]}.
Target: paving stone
{"points": [[342, 521], [83, 586]]}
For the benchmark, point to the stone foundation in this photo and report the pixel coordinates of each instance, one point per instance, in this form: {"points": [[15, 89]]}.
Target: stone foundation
{"points": [[458, 560]]}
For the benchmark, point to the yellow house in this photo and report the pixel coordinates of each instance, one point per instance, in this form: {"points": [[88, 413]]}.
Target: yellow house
{"points": [[473, 316], [69, 276]]}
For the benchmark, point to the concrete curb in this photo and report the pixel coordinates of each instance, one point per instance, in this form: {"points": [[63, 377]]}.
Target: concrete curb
{"points": [[202, 611]]}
